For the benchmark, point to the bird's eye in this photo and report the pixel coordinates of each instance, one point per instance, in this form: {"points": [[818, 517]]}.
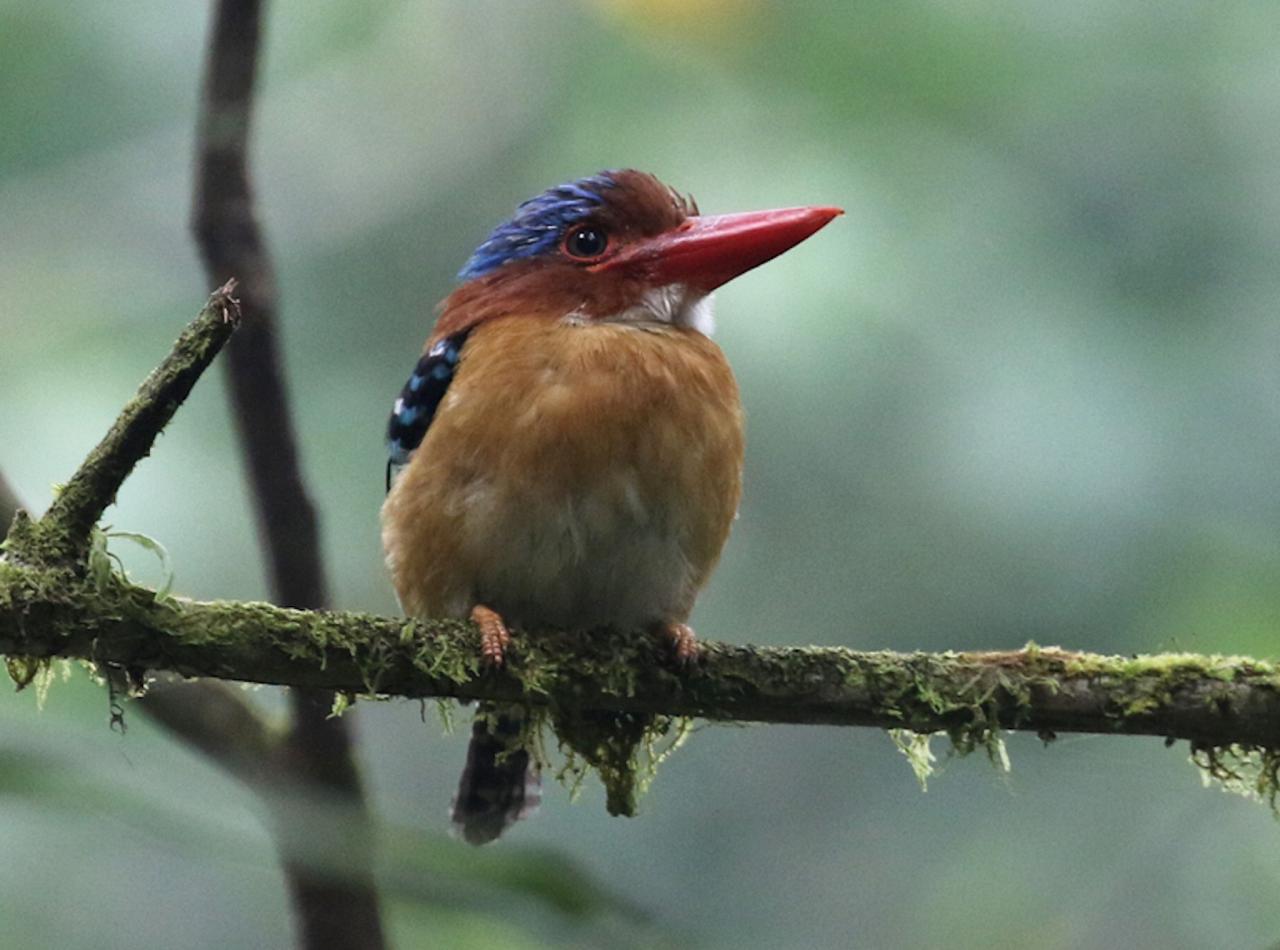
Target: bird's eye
{"points": [[585, 242]]}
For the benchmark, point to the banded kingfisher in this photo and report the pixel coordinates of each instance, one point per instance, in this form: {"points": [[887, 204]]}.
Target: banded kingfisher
{"points": [[568, 451]]}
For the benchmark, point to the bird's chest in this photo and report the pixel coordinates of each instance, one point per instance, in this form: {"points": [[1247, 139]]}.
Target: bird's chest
{"points": [[588, 475], [610, 550]]}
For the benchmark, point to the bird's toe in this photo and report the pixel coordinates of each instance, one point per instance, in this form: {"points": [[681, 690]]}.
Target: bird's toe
{"points": [[494, 635], [684, 645]]}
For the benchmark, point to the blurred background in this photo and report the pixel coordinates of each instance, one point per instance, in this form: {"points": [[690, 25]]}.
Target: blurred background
{"points": [[1026, 389]]}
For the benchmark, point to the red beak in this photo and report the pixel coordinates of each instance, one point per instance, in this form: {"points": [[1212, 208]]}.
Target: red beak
{"points": [[708, 251]]}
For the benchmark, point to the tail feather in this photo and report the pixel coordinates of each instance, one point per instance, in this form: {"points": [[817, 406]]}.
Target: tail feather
{"points": [[500, 783]]}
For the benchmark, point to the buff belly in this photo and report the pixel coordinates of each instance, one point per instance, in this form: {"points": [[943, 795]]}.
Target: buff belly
{"points": [[574, 476]]}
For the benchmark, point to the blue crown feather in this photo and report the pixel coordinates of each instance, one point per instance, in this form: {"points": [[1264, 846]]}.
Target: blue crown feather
{"points": [[537, 224]]}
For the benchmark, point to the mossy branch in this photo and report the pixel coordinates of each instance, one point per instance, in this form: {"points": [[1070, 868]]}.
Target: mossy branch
{"points": [[64, 530], [1210, 700]]}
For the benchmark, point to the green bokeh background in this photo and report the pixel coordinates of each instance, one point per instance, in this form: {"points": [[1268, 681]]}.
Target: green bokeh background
{"points": [[1027, 388]]}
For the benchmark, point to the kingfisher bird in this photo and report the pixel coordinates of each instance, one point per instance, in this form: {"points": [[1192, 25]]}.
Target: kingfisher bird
{"points": [[568, 451]]}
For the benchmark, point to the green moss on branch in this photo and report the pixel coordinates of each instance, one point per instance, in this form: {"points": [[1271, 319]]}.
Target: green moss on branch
{"points": [[63, 533], [1210, 700]]}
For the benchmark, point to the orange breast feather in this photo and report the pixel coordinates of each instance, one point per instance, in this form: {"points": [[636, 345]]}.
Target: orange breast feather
{"points": [[573, 476]]}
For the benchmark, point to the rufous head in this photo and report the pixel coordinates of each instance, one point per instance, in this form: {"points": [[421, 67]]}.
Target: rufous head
{"points": [[618, 246]]}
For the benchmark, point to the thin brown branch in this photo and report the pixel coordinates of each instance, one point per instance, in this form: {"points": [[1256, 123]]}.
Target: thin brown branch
{"points": [[231, 242], [336, 910]]}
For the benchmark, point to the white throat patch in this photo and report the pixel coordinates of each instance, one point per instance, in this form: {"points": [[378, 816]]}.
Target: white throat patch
{"points": [[674, 304]]}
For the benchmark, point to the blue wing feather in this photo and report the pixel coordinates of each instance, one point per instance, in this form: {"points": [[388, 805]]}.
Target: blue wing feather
{"points": [[416, 406]]}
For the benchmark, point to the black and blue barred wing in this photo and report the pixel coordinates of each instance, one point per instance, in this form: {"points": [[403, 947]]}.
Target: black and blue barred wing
{"points": [[418, 401]]}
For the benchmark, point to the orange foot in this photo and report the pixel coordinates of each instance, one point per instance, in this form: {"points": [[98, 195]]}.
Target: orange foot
{"points": [[683, 643], [494, 635]]}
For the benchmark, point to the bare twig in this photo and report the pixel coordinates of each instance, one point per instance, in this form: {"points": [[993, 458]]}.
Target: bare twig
{"points": [[231, 242], [340, 910]]}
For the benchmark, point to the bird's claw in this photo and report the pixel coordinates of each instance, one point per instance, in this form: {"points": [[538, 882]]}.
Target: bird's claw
{"points": [[684, 645], [494, 635]]}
